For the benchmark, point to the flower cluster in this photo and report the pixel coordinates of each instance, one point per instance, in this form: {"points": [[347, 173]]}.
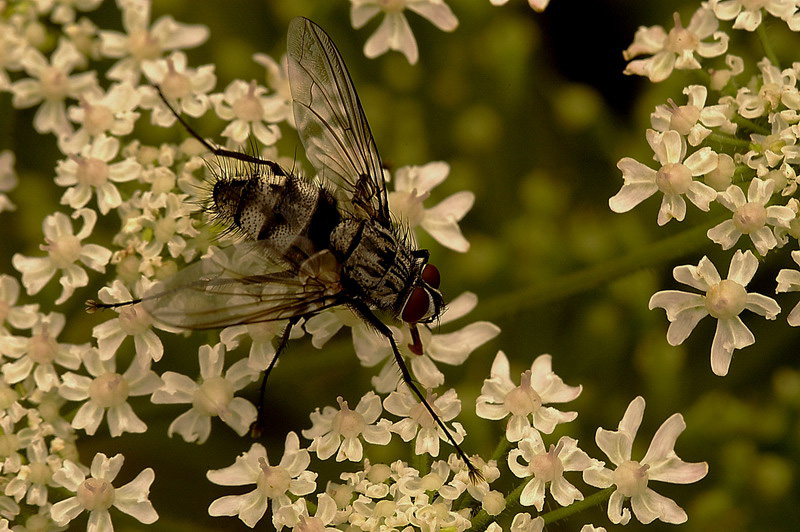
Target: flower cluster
{"points": [[127, 211], [732, 142]]}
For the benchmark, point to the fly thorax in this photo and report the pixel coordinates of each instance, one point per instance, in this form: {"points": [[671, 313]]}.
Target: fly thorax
{"points": [[376, 261]]}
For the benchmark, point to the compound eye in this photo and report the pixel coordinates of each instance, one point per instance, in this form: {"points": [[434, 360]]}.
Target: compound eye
{"points": [[416, 306], [430, 274]]}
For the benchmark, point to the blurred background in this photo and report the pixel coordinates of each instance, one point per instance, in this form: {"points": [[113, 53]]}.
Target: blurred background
{"points": [[532, 112]]}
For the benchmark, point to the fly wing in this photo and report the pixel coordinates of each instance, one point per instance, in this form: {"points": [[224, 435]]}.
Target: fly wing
{"points": [[241, 285], [331, 121]]}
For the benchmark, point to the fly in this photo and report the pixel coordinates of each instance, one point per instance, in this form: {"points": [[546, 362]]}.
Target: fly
{"points": [[308, 246]]}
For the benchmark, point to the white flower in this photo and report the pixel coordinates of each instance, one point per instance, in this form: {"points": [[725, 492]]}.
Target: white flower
{"points": [[751, 216], [674, 179], [19, 317], [339, 430], [52, 85], [394, 32], [524, 523], [631, 478], [538, 387], [39, 353], [273, 483], [248, 107], [419, 423], [8, 179], [748, 14], [141, 43], [693, 119], [96, 493], [12, 47], [133, 320], [64, 250], [297, 517], [536, 5], [107, 394], [789, 281], [449, 348], [412, 186], [723, 299], [675, 49], [211, 396], [184, 88], [14, 439], [261, 335], [111, 112], [35, 476], [547, 467], [771, 150], [277, 77], [90, 171], [769, 90]]}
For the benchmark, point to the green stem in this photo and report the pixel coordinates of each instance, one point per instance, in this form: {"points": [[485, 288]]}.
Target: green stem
{"points": [[749, 124], [422, 463], [578, 506], [570, 284], [502, 448], [761, 31], [729, 141]]}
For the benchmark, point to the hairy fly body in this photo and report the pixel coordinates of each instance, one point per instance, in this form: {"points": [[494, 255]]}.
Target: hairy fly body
{"points": [[308, 246]]}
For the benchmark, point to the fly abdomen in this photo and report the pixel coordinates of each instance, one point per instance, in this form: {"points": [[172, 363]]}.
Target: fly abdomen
{"points": [[291, 216]]}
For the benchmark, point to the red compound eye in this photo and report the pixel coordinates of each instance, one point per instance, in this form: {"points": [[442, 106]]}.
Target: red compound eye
{"points": [[416, 306], [430, 274]]}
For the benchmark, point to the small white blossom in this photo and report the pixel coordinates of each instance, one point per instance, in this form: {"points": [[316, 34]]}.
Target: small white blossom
{"points": [[394, 33], [273, 483], [789, 281], [133, 320], [96, 493], [107, 394], [547, 466], [277, 78], [536, 5], [677, 48], [143, 43], [674, 179], [419, 423], [261, 336], [297, 517], [51, 84], [770, 89], [64, 250], [694, 119], [38, 354], [539, 386], [339, 430], [412, 186], [723, 299], [748, 14], [18, 317], [251, 112], [449, 348], [91, 172], [112, 112], [631, 477], [211, 396], [185, 88], [12, 441], [8, 179], [35, 476], [751, 216]]}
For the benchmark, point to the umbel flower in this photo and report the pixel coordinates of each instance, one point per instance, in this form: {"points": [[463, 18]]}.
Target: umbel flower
{"points": [[631, 477], [724, 299]]}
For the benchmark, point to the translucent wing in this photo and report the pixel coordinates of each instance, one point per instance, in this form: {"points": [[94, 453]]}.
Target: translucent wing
{"points": [[331, 121], [241, 285]]}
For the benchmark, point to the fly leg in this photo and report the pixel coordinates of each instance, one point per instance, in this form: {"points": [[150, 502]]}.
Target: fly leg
{"points": [[216, 150], [365, 313], [258, 426]]}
